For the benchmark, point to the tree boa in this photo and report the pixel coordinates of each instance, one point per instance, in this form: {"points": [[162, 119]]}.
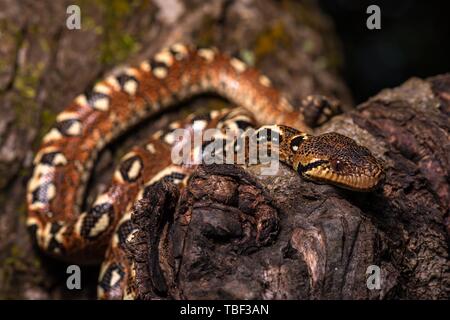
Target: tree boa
{"points": [[62, 164]]}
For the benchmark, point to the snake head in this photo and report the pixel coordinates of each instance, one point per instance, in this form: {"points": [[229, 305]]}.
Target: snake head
{"points": [[336, 159]]}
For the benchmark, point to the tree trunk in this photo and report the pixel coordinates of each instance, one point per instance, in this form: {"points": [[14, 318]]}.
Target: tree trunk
{"points": [[236, 234]]}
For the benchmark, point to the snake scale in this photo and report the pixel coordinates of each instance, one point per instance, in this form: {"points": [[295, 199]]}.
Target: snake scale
{"points": [[63, 162]]}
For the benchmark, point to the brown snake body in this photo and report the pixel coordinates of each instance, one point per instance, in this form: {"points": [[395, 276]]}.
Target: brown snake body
{"points": [[67, 154]]}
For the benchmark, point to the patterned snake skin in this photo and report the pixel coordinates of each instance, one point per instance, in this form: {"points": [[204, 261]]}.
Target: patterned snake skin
{"points": [[67, 154]]}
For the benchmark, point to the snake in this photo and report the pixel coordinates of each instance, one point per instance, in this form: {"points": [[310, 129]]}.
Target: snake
{"points": [[63, 163]]}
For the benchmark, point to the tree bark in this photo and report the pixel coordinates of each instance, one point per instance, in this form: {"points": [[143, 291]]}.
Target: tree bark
{"points": [[236, 234]]}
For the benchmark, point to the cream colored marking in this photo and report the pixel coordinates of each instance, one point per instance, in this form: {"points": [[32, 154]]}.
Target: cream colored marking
{"points": [[264, 81], [247, 119], [103, 269], [118, 176], [169, 138], [150, 148], [129, 206], [43, 151], [37, 206], [131, 235], [112, 81], [100, 292], [51, 191], [199, 125], [174, 125], [157, 134], [126, 217], [165, 172], [53, 135], [79, 223], [181, 51], [180, 48], [102, 88], [59, 235], [40, 234], [129, 295], [101, 225], [115, 278], [132, 72], [133, 269], [40, 173], [32, 221], [75, 129], [207, 54], [327, 111], [214, 114], [140, 195], [66, 115], [130, 87], [135, 169], [101, 199], [164, 57], [46, 235], [128, 156], [160, 72], [238, 65], [81, 100], [145, 66], [59, 160], [101, 104]]}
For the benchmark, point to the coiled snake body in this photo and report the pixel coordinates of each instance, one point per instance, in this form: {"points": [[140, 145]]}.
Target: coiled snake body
{"points": [[68, 152]]}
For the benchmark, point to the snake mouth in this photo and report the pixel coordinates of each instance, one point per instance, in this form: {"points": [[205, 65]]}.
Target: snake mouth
{"points": [[335, 159], [323, 171]]}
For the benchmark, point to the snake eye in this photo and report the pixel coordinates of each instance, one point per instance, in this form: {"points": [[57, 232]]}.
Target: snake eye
{"points": [[337, 165], [295, 142]]}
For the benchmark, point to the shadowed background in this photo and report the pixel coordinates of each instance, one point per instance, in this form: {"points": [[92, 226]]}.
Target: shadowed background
{"points": [[414, 40]]}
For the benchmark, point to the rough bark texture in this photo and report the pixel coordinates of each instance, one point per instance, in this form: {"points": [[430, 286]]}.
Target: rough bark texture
{"points": [[240, 235], [276, 227]]}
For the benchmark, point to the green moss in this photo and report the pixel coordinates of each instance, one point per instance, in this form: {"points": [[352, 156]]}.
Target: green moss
{"points": [[309, 46], [44, 44], [22, 208], [306, 13], [25, 84], [8, 35], [14, 263], [117, 45], [205, 35], [216, 104], [270, 40], [25, 87], [25, 105], [15, 259], [117, 48], [89, 23], [248, 57], [48, 118]]}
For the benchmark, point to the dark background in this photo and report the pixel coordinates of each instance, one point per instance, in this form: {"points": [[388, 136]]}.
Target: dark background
{"points": [[414, 40]]}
